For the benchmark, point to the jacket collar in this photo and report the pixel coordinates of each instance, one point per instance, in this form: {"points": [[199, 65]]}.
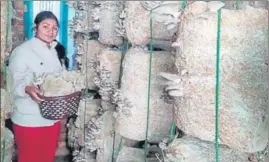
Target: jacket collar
{"points": [[40, 42]]}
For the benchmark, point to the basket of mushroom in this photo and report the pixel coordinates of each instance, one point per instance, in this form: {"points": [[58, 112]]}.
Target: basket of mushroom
{"points": [[61, 94]]}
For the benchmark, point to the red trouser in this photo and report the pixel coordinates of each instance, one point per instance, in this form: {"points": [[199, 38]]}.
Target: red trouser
{"points": [[36, 144]]}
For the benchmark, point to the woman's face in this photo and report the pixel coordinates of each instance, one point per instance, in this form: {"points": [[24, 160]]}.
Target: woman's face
{"points": [[47, 30]]}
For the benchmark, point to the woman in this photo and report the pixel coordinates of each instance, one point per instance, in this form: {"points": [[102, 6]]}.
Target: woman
{"points": [[35, 136]]}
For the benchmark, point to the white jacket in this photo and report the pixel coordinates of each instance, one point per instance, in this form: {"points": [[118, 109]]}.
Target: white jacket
{"points": [[29, 58]]}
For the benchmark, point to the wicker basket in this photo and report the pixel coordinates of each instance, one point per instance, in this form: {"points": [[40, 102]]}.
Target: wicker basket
{"points": [[60, 107]]}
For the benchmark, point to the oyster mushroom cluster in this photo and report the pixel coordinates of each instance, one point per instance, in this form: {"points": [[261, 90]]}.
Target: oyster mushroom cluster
{"points": [[174, 85], [109, 91], [6, 104], [166, 12], [86, 16], [92, 133], [83, 156], [123, 105], [120, 25], [60, 84]]}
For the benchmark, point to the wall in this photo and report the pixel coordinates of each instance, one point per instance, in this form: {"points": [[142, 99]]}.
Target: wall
{"points": [[17, 23]]}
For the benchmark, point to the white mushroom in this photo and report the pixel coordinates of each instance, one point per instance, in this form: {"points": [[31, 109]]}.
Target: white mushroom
{"points": [[172, 77], [214, 6]]}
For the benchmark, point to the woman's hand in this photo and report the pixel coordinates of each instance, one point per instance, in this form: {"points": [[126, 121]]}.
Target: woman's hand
{"points": [[33, 92]]}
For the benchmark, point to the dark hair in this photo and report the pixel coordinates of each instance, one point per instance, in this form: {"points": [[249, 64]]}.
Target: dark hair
{"points": [[45, 15], [61, 51]]}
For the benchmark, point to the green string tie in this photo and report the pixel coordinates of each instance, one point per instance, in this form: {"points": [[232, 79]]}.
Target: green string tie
{"points": [[149, 85], [217, 87]]}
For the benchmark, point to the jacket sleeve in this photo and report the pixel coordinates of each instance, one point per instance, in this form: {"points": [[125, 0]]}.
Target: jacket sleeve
{"points": [[19, 72]]}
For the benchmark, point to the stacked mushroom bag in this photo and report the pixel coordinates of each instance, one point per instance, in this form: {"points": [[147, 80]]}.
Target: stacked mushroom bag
{"points": [[243, 83], [132, 123]]}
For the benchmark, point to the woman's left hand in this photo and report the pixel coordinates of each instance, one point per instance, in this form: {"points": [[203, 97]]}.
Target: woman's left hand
{"points": [[34, 92]]}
